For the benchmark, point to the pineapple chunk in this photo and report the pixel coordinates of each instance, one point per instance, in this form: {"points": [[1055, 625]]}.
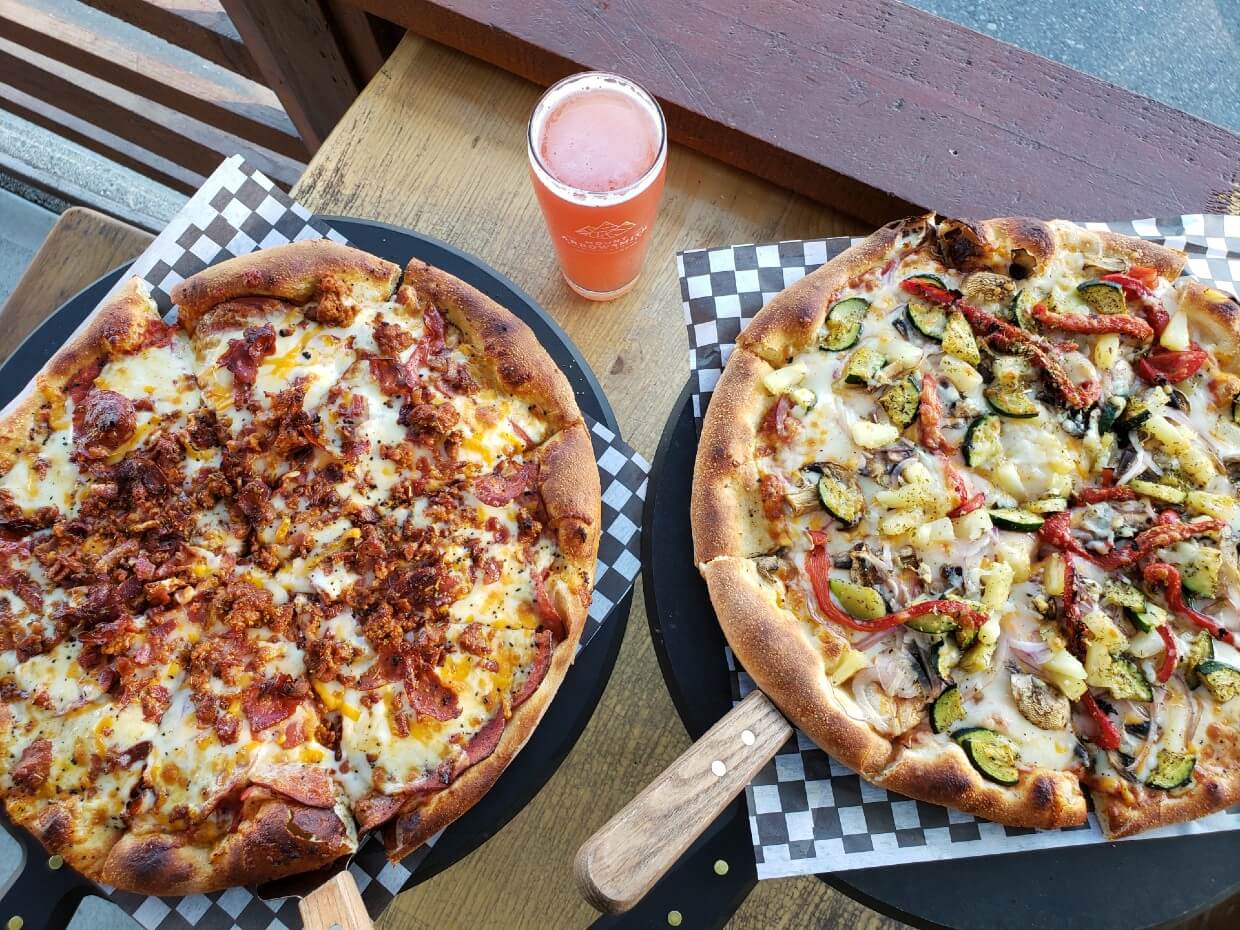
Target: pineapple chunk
{"points": [[1066, 673], [870, 435], [1106, 351], [852, 662], [1175, 336], [996, 586], [934, 532], [784, 379], [974, 525]]}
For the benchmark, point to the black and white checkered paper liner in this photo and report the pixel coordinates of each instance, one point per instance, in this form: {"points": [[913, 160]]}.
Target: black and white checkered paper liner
{"points": [[807, 813], [239, 210]]}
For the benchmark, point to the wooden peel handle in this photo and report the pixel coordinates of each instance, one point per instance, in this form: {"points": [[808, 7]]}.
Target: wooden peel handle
{"points": [[335, 905], [623, 860]]}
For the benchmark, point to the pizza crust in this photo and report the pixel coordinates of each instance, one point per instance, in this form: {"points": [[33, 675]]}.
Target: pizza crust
{"points": [[519, 363], [294, 272]]}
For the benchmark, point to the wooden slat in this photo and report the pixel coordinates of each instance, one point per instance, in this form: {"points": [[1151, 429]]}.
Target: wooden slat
{"points": [[315, 88], [842, 100], [82, 246], [198, 26], [154, 127], [366, 47], [228, 102], [118, 149]]}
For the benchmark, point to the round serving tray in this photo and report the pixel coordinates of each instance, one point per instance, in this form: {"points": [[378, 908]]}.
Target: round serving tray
{"points": [[37, 890], [1133, 885]]}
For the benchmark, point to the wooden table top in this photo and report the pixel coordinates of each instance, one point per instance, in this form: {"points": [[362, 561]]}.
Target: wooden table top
{"points": [[437, 143]]}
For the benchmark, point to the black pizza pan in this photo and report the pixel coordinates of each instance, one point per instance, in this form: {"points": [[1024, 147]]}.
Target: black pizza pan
{"points": [[1134, 885], [46, 897]]}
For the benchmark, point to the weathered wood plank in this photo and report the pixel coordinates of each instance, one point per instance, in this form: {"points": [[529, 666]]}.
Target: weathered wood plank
{"points": [[223, 100], [841, 100], [118, 149], [315, 89], [198, 26], [159, 129], [81, 246]]}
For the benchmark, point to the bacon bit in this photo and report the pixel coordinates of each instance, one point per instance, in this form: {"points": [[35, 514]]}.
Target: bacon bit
{"points": [[930, 418], [294, 735], [777, 423], [928, 291], [485, 740], [1171, 654], [274, 700], [431, 342], [1108, 732], [1137, 285], [243, 356], [105, 419], [430, 697], [547, 612], [34, 766], [395, 379], [155, 700], [520, 433], [1164, 366], [1162, 573], [492, 571], [538, 671], [818, 567], [77, 387], [390, 338], [156, 335], [1009, 337], [1120, 323], [495, 526], [1098, 495], [376, 810], [311, 786], [496, 490]]}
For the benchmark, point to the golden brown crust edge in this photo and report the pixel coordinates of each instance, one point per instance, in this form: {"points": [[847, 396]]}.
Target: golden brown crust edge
{"points": [[518, 360], [569, 484], [279, 838], [789, 667], [725, 509], [938, 771], [1217, 313], [292, 272]]}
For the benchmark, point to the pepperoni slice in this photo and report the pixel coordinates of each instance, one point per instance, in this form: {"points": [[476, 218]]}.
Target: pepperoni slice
{"points": [[496, 490]]}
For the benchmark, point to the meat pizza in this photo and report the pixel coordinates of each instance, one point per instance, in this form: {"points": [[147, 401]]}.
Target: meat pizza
{"points": [[965, 502], [310, 562]]}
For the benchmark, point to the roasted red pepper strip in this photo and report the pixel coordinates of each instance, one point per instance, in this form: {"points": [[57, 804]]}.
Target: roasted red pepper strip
{"points": [[1120, 323], [1171, 655], [1073, 625], [1161, 573], [961, 489], [1056, 531], [1163, 366], [818, 567], [930, 418], [1098, 495], [928, 291], [1008, 337], [1108, 732], [1137, 285]]}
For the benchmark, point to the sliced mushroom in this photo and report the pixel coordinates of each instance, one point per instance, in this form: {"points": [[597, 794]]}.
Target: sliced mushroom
{"points": [[803, 500], [986, 287], [1040, 703], [767, 566]]}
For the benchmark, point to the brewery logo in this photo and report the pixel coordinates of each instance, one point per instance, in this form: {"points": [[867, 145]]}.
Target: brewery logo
{"points": [[605, 236]]}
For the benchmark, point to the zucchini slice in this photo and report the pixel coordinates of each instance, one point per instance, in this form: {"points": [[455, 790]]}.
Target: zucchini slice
{"points": [[932, 623], [1013, 518], [859, 601], [841, 494], [981, 442], [1022, 309], [1222, 680], [944, 655], [928, 319], [1199, 575], [946, 709], [1200, 652], [1111, 410], [863, 365], [902, 401], [1139, 409], [1173, 770], [1126, 682], [844, 321], [1103, 296], [958, 339], [1010, 403], [1235, 409], [991, 753], [929, 279]]}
